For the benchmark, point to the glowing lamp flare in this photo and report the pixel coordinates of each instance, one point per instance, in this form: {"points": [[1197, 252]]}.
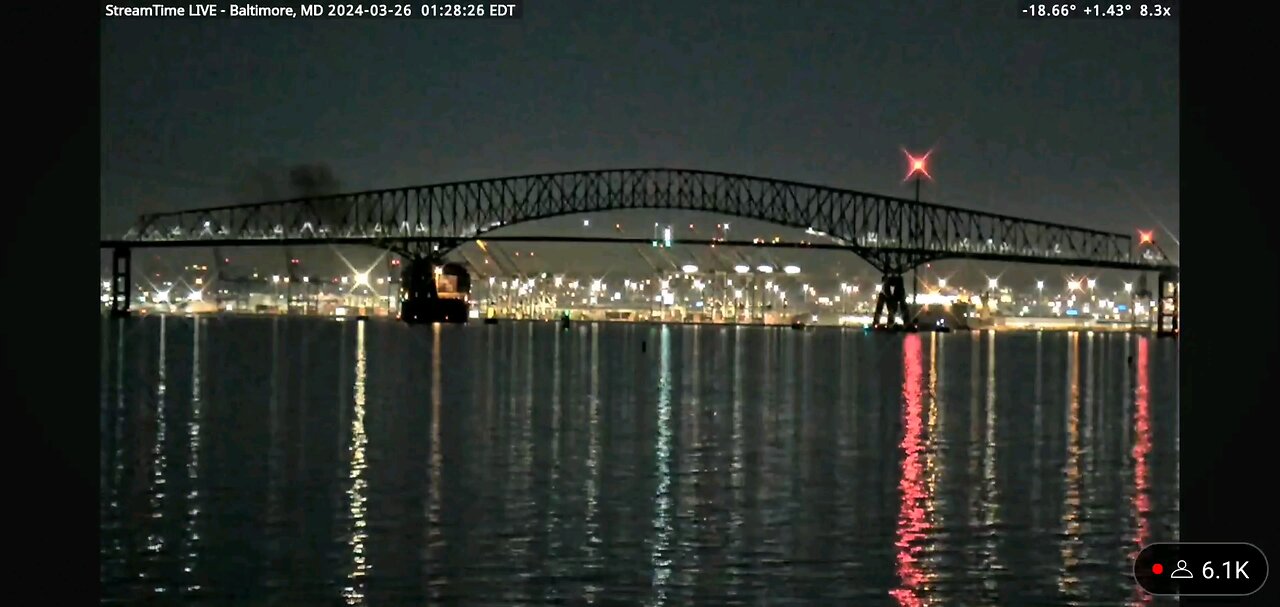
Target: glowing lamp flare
{"points": [[917, 164], [1146, 237]]}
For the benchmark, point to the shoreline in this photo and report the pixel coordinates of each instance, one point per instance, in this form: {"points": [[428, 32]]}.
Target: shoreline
{"points": [[1027, 328]]}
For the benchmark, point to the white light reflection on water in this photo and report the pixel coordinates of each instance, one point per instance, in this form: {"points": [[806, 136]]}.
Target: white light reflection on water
{"points": [[661, 557], [156, 539], [989, 560], [118, 550], [594, 541], [190, 550], [354, 592], [1068, 580]]}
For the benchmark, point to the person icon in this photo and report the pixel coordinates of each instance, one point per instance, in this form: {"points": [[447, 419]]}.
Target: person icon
{"points": [[1181, 572]]}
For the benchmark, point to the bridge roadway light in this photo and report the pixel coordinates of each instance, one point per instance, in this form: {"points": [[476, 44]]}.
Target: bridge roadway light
{"points": [[689, 268], [765, 269], [741, 269], [791, 269]]}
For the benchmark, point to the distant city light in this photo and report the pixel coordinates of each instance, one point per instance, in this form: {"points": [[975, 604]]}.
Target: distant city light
{"points": [[586, 222], [992, 283], [1040, 285], [362, 278], [196, 296], [791, 269], [1093, 282], [275, 278], [1128, 287], [1074, 285], [942, 282]]}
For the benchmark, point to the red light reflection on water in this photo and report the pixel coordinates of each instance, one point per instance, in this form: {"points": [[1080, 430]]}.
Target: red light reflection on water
{"points": [[1141, 447], [912, 522]]}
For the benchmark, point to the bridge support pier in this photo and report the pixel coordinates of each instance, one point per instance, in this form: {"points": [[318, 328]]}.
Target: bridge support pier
{"points": [[1167, 306], [421, 299], [121, 280], [892, 300]]}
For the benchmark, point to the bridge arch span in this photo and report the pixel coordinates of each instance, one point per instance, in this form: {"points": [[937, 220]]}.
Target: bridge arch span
{"points": [[892, 233]]}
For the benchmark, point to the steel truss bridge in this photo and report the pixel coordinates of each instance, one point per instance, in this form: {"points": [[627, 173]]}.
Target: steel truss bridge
{"points": [[426, 222]]}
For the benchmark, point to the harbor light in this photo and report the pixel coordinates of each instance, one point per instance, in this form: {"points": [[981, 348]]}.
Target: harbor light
{"points": [[689, 268], [765, 269], [791, 269], [741, 269]]}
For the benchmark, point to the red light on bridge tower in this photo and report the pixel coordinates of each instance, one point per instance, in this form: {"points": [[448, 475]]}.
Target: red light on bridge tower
{"points": [[917, 167]]}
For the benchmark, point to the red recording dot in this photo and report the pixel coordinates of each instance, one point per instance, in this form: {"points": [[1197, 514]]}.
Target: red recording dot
{"points": [[1157, 569]]}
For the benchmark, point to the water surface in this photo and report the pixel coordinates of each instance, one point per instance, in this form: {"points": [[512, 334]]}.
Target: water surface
{"points": [[310, 462]]}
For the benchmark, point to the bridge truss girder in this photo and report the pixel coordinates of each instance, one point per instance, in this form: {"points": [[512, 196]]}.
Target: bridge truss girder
{"points": [[881, 229]]}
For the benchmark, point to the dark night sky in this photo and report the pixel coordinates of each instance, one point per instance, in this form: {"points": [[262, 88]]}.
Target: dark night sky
{"points": [[1075, 122]]}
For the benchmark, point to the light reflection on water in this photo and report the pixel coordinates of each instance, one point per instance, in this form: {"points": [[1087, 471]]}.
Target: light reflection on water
{"points": [[660, 465]]}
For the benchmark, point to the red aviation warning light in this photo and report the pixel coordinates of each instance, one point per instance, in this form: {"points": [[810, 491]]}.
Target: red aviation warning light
{"points": [[1146, 237], [917, 165]]}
